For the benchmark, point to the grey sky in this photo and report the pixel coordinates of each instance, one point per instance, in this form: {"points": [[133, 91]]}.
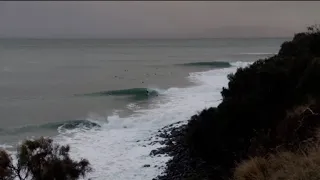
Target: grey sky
{"points": [[155, 19]]}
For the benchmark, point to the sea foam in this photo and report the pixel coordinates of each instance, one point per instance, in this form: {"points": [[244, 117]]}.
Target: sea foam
{"points": [[120, 148]]}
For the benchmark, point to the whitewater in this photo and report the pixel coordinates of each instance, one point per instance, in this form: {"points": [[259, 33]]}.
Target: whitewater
{"points": [[119, 148]]}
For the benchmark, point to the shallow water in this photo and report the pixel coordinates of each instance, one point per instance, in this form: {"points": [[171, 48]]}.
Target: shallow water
{"points": [[106, 98]]}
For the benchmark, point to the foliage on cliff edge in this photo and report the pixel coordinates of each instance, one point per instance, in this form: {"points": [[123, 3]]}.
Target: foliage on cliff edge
{"points": [[256, 115]]}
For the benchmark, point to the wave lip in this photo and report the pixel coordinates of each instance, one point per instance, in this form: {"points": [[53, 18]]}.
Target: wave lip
{"points": [[136, 93], [215, 64]]}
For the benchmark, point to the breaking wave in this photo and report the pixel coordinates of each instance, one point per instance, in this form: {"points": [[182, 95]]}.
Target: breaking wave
{"points": [[215, 64], [135, 93], [65, 125]]}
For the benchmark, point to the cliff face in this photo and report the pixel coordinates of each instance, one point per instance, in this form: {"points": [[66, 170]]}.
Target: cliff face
{"points": [[270, 105]]}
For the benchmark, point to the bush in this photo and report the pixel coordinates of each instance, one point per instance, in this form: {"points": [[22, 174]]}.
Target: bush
{"points": [[6, 171], [303, 44], [256, 106], [40, 159]]}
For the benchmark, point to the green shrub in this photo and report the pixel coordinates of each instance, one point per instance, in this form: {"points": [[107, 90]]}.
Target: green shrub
{"points": [[40, 159]]}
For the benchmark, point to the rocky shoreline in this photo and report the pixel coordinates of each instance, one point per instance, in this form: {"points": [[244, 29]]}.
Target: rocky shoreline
{"points": [[182, 165]]}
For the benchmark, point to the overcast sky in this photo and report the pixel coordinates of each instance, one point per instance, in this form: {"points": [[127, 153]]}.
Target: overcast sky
{"points": [[155, 19]]}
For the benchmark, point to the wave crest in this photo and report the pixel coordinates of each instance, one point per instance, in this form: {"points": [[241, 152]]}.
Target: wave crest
{"points": [[215, 64], [257, 53], [136, 93], [72, 124]]}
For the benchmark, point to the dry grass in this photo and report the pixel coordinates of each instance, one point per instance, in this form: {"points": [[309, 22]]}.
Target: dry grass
{"points": [[281, 166], [299, 110], [302, 164]]}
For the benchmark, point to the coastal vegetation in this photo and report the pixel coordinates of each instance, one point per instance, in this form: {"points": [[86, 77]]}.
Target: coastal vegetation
{"points": [[269, 115], [41, 159]]}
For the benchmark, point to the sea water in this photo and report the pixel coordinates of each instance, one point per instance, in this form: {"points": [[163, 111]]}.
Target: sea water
{"points": [[107, 98]]}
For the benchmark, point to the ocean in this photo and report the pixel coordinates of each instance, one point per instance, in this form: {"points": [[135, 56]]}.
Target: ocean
{"points": [[107, 98]]}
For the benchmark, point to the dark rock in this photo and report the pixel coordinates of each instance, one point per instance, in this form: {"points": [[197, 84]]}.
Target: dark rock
{"points": [[154, 152]]}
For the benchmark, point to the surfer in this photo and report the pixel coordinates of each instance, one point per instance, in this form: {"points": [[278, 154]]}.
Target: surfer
{"points": [[148, 93]]}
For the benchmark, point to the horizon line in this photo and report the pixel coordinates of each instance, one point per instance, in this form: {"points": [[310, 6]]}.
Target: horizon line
{"points": [[138, 38]]}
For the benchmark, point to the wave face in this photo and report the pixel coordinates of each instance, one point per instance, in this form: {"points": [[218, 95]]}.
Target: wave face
{"points": [[135, 93], [120, 148], [258, 54], [215, 64], [66, 125]]}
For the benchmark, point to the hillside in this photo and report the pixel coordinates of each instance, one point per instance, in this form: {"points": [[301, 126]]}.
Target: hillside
{"points": [[270, 106]]}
